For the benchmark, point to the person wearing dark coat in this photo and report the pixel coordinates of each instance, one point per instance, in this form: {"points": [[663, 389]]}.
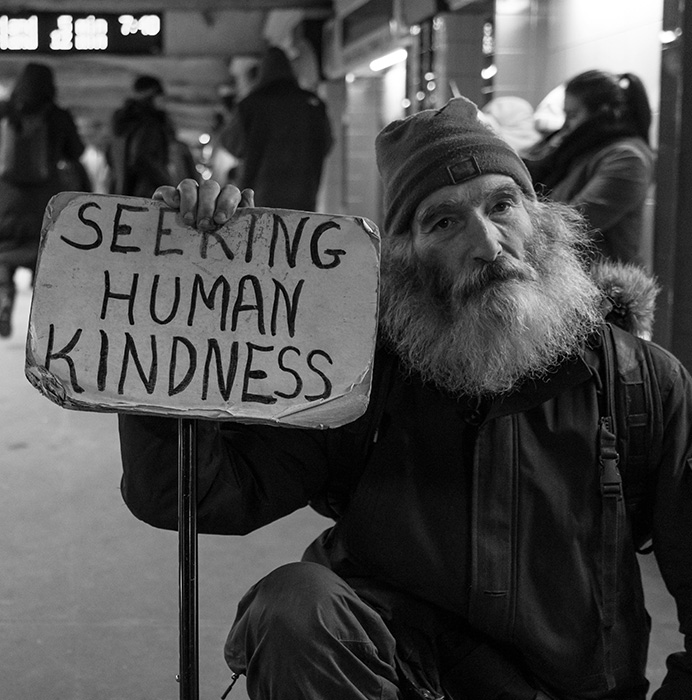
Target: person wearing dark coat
{"points": [[30, 178], [282, 135], [486, 531], [139, 154], [602, 162]]}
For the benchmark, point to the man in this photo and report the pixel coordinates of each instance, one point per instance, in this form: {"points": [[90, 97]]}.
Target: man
{"points": [[36, 134], [282, 135], [473, 555], [142, 137]]}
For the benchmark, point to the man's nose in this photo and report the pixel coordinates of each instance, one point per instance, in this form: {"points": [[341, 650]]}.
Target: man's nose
{"points": [[485, 238]]}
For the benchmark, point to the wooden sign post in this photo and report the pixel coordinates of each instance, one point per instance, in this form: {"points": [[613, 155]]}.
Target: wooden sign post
{"points": [[271, 318]]}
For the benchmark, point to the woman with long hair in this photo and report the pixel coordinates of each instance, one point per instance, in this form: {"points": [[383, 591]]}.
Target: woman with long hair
{"points": [[602, 162]]}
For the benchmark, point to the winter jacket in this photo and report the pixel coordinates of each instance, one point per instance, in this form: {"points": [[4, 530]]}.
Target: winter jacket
{"points": [[22, 206], [606, 172], [138, 154], [493, 511], [282, 135]]}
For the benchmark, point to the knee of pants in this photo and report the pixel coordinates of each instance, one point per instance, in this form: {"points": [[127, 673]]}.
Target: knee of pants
{"points": [[297, 597], [303, 605]]}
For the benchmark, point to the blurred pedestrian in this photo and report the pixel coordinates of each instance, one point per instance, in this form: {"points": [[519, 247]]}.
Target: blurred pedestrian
{"points": [[282, 135], [96, 135], [182, 162], [139, 154], [35, 135], [222, 165], [549, 115], [601, 161], [513, 119]]}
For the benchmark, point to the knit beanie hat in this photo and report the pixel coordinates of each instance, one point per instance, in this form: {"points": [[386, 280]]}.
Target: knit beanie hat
{"points": [[438, 147]]}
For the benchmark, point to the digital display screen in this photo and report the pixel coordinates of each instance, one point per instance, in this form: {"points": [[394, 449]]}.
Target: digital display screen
{"points": [[63, 32]]}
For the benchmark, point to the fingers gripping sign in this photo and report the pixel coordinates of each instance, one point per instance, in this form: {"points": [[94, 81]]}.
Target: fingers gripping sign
{"points": [[202, 205], [207, 204]]}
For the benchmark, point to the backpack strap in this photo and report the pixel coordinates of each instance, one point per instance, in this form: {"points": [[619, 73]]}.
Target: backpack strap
{"points": [[630, 443], [613, 511], [638, 425], [609, 457]]}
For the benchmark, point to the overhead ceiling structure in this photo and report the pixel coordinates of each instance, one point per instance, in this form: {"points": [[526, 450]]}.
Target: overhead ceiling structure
{"points": [[200, 37], [159, 5]]}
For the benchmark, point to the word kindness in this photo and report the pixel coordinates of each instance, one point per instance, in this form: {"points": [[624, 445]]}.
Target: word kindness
{"points": [[271, 317]]}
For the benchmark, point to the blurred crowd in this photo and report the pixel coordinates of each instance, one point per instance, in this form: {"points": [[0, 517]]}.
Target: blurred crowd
{"points": [[271, 133], [586, 144]]}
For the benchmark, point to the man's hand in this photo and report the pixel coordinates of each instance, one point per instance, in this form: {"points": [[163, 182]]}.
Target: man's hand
{"points": [[206, 205]]}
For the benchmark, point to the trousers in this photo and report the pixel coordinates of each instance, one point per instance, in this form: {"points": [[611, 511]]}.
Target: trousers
{"points": [[303, 633]]}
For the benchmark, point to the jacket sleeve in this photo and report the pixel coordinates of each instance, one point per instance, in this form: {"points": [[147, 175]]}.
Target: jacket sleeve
{"points": [[74, 146], [67, 143], [618, 184], [149, 149], [232, 136], [247, 475], [672, 523]]}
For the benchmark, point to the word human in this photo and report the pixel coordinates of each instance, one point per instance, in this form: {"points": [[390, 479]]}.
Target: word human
{"points": [[247, 295]]}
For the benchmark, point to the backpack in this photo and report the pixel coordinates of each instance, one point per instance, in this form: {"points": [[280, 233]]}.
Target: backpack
{"points": [[631, 430], [630, 435], [24, 158]]}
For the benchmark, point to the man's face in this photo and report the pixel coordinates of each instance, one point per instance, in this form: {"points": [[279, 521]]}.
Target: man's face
{"points": [[487, 289], [460, 228]]}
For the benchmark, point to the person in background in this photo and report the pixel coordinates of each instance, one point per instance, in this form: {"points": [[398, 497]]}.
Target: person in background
{"points": [[601, 161], [484, 545], [514, 120], [35, 136], [222, 164], [549, 115], [96, 134], [182, 162], [282, 135], [139, 153]]}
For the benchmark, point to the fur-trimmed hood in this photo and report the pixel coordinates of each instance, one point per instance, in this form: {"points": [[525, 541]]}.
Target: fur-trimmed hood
{"points": [[629, 296]]}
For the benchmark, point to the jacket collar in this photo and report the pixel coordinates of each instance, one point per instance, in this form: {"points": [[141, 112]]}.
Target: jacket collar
{"points": [[530, 394]]}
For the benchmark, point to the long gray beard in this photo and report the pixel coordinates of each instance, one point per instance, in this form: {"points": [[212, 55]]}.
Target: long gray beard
{"points": [[508, 322]]}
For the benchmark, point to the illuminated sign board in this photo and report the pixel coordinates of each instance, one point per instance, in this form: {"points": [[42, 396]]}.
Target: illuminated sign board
{"points": [[62, 32]]}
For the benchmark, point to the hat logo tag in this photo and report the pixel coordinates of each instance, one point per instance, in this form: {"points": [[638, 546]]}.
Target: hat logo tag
{"points": [[464, 170]]}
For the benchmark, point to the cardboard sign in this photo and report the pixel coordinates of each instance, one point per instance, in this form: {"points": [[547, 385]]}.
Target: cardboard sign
{"points": [[271, 318]]}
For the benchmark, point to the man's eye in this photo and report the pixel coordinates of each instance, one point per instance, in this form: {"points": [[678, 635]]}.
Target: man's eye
{"points": [[442, 224], [503, 206]]}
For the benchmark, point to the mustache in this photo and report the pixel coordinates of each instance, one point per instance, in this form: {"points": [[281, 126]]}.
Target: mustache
{"points": [[489, 275]]}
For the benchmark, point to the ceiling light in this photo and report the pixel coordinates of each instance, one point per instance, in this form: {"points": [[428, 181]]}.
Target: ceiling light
{"points": [[489, 72], [388, 60]]}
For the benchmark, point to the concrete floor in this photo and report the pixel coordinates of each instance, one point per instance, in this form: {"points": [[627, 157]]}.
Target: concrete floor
{"points": [[89, 595]]}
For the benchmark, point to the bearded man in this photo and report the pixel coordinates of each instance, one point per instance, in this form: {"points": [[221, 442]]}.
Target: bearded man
{"points": [[474, 556]]}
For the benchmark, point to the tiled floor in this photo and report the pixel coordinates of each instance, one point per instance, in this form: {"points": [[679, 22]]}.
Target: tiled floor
{"points": [[89, 595]]}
